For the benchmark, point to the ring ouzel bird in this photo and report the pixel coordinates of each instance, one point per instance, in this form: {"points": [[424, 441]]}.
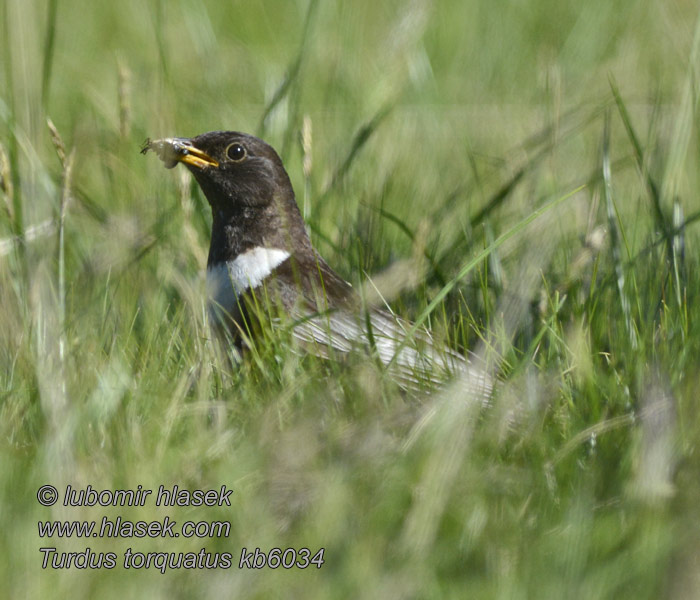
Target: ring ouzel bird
{"points": [[260, 249]]}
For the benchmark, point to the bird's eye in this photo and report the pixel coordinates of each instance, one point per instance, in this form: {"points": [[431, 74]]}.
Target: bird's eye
{"points": [[236, 152]]}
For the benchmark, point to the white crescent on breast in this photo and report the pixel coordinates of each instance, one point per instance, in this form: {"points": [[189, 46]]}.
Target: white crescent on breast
{"points": [[226, 281]]}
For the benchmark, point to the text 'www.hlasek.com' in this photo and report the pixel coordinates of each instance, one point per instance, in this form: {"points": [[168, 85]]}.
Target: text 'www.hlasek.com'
{"points": [[116, 527]]}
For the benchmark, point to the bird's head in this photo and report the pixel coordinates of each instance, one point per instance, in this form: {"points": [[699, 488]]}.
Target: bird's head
{"points": [[235, 170], [249, 191]]}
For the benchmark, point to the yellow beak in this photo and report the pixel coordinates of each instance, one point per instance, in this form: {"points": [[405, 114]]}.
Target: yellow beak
{"points": [[174, 150]]}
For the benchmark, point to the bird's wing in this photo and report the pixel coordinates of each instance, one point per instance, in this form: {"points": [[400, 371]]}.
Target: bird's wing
{"points": [[413, 362]]}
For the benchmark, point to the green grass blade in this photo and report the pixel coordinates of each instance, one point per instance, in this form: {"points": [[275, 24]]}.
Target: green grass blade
{"points": [[470, 264]]}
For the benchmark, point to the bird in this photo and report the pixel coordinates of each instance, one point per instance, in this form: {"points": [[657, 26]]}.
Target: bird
{"points": [[260, 252]]}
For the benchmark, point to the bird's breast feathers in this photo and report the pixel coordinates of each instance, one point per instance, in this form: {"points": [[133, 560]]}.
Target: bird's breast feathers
{"points": [[226, 281]]}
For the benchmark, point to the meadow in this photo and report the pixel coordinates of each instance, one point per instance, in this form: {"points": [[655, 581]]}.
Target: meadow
{"points": [[518, 176]]}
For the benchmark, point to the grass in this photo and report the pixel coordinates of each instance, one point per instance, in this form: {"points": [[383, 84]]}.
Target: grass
{"points": [[520, 178]]}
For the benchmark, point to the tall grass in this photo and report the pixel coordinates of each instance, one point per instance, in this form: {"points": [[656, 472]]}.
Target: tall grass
{"points": [[520, 178]]}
